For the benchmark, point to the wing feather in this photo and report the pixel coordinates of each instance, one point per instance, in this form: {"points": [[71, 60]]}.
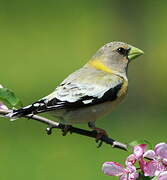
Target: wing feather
{"points": [[77, 94], [76, 91]]}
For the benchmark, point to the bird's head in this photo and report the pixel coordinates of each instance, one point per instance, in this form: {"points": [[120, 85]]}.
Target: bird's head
{"points": [[115, 57]]}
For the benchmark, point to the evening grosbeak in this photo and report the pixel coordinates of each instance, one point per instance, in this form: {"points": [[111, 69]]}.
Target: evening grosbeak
{"points": [[90, 92]]}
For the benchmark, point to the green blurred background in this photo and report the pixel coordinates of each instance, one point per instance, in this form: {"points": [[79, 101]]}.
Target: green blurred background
{"points": [[41, 42]]}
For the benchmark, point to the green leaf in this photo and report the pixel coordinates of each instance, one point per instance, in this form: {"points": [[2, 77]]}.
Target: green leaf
{"points": [[8, 96]]}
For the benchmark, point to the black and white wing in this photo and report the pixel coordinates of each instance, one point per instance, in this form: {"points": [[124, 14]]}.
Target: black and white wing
{"points": [[73, 95], [76, 94]]}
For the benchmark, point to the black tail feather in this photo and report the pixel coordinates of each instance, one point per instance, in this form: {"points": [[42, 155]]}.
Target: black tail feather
{"points": [[34, 108], [23, 111]]}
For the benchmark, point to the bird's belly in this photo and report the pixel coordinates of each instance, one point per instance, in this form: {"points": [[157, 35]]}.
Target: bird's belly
{"points": [[86, 114]]}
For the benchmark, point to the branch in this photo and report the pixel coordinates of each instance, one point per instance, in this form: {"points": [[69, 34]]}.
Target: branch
{"points": [[52, 124]]}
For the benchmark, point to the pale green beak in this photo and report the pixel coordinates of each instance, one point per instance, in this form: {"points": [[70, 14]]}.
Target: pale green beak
{"points": [[134, 53]]}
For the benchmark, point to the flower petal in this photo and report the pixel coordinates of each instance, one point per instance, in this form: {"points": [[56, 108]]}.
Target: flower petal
{"points": [[159, 144], [131, 159], [124, 177], [149, 168], [3, 107], [113, 169], [164, 161], [133, 176], [139, 150], [163, 176], [142, 164], [130, 169], [161, 150], [160, 168], [150, 154], [130, 176]]}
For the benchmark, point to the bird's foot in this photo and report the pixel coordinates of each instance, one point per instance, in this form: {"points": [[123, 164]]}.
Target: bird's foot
{"points": [[49, 130], [66, 129], [100, 133]]}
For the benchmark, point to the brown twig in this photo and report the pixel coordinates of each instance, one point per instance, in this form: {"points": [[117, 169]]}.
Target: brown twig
{"points": [[52, 124]]}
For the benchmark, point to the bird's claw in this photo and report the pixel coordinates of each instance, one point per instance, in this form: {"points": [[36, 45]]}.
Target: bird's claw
{"points": [[49, 130], [99, 134], [66, 129], [99, 143]]}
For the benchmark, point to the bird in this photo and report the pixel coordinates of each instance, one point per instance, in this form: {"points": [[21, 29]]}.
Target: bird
{"points": [[90, 92]]}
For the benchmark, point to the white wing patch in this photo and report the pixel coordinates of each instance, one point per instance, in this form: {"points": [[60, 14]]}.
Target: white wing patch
{"points": [[87, 101]]}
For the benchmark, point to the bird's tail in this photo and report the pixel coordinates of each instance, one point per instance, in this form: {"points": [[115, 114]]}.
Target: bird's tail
{"points": [[22, 112], [27, 110]]}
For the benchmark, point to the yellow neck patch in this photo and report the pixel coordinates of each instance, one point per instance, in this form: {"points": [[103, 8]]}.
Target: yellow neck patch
{"points": [[100, 66]]}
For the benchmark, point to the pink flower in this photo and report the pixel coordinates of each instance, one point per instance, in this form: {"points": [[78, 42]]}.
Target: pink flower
{"points": [[139, 150], [163, 176], [116, 169], [148, 168], [2, 106], [158, 160], [156, 165], [131, 159]]}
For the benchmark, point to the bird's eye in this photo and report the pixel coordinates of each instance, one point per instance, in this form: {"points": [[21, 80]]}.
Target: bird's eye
{"points": [[122, 51]]}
